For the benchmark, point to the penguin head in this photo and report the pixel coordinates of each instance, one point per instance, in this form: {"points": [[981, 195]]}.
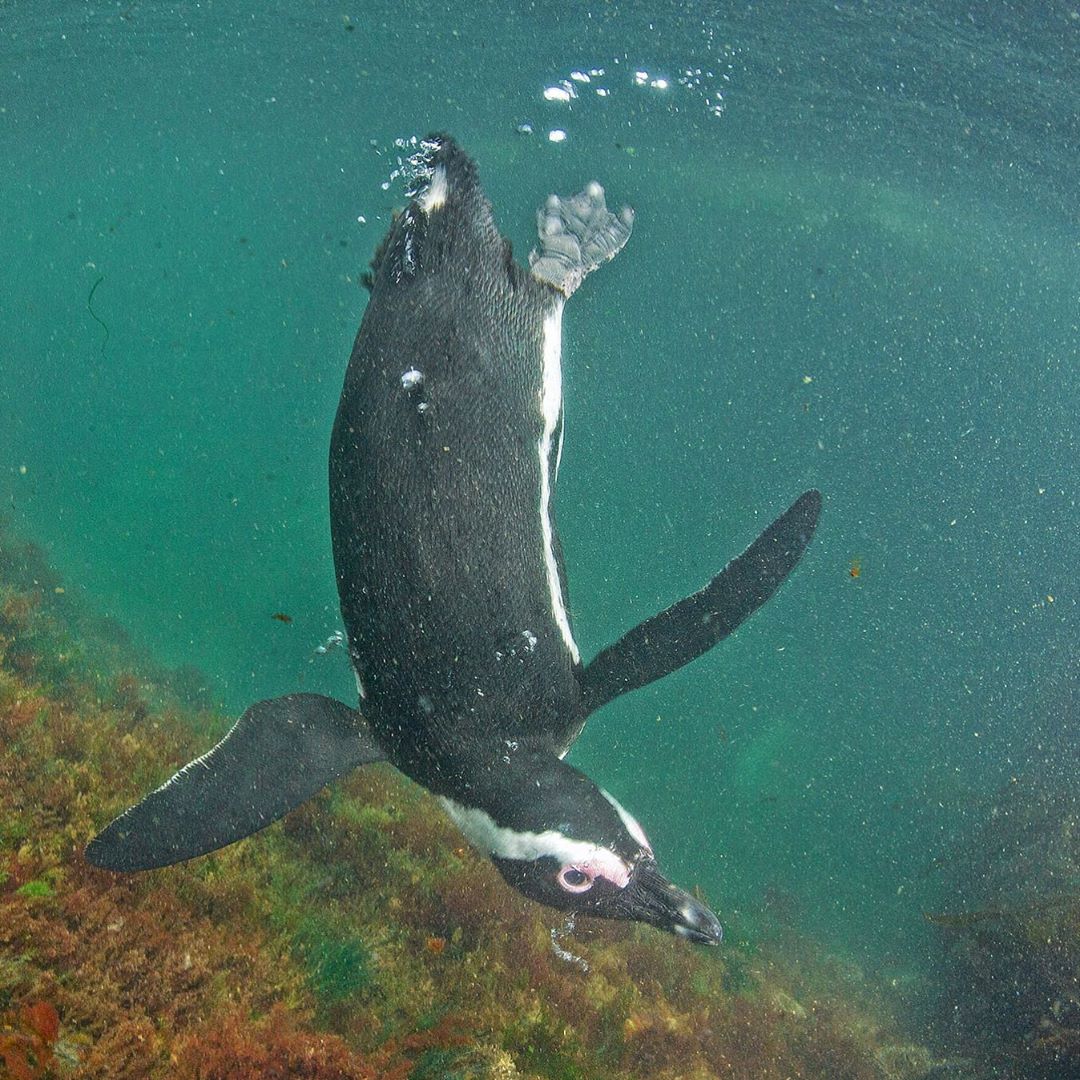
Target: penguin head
{"points": [[563, 841]]}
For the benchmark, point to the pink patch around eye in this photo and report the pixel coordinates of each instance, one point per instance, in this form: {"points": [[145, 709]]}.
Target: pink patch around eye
{"points": [[605, 864], [573, 872]]}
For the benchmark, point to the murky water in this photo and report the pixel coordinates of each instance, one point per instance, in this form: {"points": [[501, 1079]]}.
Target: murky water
{"points": [[854, 267]]}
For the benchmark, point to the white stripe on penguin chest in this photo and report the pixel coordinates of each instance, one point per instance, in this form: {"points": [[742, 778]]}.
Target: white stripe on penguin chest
{"points": [[524, 845], [549, 451]]}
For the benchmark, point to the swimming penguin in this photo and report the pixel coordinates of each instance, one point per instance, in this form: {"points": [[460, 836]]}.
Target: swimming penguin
{"points": [[443, 462]]}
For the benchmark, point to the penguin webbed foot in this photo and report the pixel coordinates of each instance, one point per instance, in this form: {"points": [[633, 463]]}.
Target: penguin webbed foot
{"points": [[577, 234]]}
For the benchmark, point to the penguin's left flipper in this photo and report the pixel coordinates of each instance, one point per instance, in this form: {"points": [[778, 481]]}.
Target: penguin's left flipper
{"points": [[694, 625], [275, 757]]}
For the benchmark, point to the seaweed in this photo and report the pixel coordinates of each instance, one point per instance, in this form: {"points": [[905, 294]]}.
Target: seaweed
{"points": [[1009, 962], [339, 966], [27, 1040], [359, 938]]}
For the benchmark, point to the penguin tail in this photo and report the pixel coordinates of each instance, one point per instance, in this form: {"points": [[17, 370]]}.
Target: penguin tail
{"points": [[275, 757], [448, 217]]}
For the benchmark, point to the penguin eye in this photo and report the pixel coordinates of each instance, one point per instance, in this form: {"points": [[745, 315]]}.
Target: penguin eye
{"points": [[574, 880]]}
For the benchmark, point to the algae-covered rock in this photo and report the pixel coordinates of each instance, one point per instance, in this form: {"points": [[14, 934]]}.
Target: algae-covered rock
{"points": [[1009, 969], [905, 1061], [358, 939]]}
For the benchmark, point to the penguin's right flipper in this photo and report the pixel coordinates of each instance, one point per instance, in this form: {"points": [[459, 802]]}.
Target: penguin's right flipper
{"points": [[577, 234], [275, 757], [694, 625]]}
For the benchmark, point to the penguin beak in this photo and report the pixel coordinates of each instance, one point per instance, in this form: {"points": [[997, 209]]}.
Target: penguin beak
{"points": [[651, 898]]}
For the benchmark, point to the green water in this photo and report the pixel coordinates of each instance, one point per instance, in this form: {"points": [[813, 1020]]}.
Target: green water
{"points": [[854, 266]]}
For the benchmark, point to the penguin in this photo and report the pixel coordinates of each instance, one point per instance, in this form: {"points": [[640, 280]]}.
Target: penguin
{"points": [[443, 463]]}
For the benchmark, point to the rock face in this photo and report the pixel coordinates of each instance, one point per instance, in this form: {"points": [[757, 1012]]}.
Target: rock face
{"points": [[1010, 963]]}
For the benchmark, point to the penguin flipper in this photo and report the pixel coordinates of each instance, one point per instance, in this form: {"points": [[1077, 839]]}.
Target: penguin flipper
{"points": [[577, 235], [695, 624], [275, 757]]}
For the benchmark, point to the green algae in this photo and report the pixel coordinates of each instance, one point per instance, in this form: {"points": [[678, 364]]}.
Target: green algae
{"points": [[339, 965], [35, 890]]}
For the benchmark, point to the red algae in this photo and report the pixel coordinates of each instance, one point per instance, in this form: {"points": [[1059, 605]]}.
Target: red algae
{"points": [[27, 1039], [358, 939], [234, 1047]]}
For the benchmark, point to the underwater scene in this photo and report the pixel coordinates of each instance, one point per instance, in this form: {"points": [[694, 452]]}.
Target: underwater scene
{"points": [[841, 255]]}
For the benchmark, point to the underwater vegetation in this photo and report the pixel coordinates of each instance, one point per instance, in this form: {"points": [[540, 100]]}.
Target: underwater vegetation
{"points": [[27, 1038], [360, 938], [1010, 965]]}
